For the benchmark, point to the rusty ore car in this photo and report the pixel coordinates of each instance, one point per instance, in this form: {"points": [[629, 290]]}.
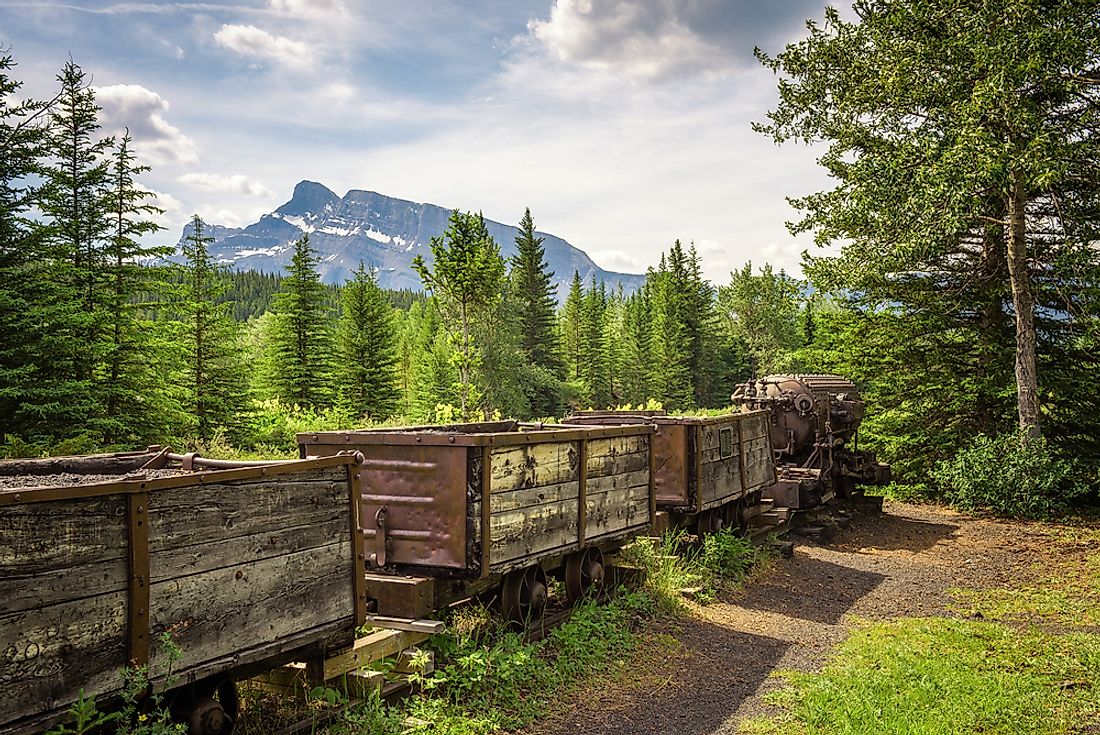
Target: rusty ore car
{"points": [[448, 511]]}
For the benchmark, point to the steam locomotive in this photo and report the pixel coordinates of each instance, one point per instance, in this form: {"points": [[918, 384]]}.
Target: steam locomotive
{"points": [[814, 423]]}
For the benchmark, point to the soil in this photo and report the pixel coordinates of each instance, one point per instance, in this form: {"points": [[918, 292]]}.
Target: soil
{"points": [[717, 664]]}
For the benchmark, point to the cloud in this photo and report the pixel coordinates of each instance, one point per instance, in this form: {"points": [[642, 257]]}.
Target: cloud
{"points": [[252, 41], [315, 9], [235, 184], [617, 260], [658, 39], [142, 111]]}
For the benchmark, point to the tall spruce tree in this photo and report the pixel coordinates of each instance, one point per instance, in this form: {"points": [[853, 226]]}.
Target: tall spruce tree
{"points": [[299, 367], [532, 304], [136, 404], [216, 395], [467, 280], [571, 325], [75, 203], [366, 341], [37, 352]]}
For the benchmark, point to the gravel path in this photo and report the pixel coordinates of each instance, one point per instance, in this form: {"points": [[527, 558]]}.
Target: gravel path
{"points": [[715, 672]]}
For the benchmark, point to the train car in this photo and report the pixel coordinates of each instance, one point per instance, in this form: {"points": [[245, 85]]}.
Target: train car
{"points": [[814, 423], [709, 470], [453, 511], [245, 565]]}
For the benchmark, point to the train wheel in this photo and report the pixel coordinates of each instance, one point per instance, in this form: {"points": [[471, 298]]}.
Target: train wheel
{"points": [[709, 521], [583, 573], [739, 517], [523, 595], [209, 707]]}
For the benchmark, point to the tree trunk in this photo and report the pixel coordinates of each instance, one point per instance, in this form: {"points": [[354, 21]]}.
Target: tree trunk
{"points": [[1027, 379]]}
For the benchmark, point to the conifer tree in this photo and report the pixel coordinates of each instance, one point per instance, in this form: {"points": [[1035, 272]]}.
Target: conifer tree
{"points": [[136, 406], [637, 339], [595, 371], [572, 329], [214, 375], [534, 299], [673, 378], [467, 279], [300, 345], [36, 374], [75, 202], [366, 374]]}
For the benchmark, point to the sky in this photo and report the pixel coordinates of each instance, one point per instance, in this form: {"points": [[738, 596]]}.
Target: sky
{"points": [[623, 124]]}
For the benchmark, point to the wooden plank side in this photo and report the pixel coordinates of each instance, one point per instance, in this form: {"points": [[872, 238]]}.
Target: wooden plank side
{"points": [[61, 550], [719, 478], [532, 465], [201, 528], [531, 496], [530, 531], [614, 510], [617, 463], [49, 654], [611, 446], [235, 611]]}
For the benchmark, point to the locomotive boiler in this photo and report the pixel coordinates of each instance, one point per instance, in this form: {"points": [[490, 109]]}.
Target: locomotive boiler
{"points": [[814, 423]]}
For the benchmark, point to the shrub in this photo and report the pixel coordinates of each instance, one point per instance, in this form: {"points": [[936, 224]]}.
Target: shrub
{"points": [[1004, 476]]}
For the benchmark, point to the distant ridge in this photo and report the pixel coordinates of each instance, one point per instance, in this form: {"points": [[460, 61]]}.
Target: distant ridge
{"points": [[382, 232]]}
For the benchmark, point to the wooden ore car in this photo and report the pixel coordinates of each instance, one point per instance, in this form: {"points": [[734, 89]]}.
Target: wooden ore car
{"points": [[245, 568], [451, 511], [709, 471]]}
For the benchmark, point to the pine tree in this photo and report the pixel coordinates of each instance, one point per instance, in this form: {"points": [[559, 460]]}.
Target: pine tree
{"points": [[75, 201], [596, 371], [136, 404], [366, 375], [213, 373], [299, 364], [672, 346], [37, 377], [572, 329]]}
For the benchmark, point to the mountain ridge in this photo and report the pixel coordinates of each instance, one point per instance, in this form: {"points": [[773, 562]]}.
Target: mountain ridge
{"points": [[383, 232]]}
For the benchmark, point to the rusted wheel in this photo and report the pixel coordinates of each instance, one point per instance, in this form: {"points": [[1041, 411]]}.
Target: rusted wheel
{"points": [[523, 595], [209, 707], [584, 573], [709, 521], [738, 517]]}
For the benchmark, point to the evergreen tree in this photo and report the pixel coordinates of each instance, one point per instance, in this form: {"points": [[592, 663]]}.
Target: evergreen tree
{"points": [[136, 404], [213, 373], [467, 279], [37, 351], [75, 202], [980, 162], [572, 329], [366, 375], [637, 340], [761, 311], [299, 365], [673, 381], [595, 371]]}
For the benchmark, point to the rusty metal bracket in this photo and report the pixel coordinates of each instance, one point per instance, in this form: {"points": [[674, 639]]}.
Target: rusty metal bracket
{"points": [[582, 492], [358, 543], [137, 505], [486, 510], [378, 556]]}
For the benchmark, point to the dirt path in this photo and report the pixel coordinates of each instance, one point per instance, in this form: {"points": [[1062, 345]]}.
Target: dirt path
{"points": [[716, 670]]}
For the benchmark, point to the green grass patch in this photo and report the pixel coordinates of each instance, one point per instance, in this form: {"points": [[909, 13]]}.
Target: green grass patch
{"points": [[940, 676], [491, 680]]}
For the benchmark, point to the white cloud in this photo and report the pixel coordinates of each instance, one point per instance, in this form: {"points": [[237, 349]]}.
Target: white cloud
{"points": [[315, 9], [142, 111], [252, 41], [617, 260], [642, 38], [234, 183]]}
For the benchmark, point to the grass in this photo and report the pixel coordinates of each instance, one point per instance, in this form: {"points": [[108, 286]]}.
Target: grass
{"points": [[1024, 659], [942, 676]]}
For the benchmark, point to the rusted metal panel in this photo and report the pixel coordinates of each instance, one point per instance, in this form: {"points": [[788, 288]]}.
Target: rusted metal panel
{"points": [[413, 504], [672, 461], [137, 527]]}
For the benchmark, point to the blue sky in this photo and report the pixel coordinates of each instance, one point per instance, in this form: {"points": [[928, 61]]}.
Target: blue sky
{"points": [[622, 124]]}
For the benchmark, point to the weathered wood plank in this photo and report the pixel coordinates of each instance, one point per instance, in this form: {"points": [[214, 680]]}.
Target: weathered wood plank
{"points": [[369, 649], [614, 445], [61, 551], [616, 464], [235, 609], [531, 531], [618, 509], [637, 478], [531, 465], [531, 496], [49, 654]]}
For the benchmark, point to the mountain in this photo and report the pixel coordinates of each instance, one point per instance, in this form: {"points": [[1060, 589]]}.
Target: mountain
{"points": [[383, 232]]}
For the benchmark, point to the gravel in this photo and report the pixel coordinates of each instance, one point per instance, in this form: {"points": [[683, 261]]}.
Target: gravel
{"points": [[69, 479], [900, 564]]}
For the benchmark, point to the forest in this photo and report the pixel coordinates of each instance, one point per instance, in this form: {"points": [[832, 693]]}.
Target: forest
{"points": [[971, 322]]}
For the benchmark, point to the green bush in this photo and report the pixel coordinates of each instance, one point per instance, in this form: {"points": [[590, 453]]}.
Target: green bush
{"points": [[1004, 476]]}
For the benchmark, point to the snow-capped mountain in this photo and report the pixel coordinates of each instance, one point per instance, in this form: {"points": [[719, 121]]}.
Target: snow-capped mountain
{"points": [[382, 232]]}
